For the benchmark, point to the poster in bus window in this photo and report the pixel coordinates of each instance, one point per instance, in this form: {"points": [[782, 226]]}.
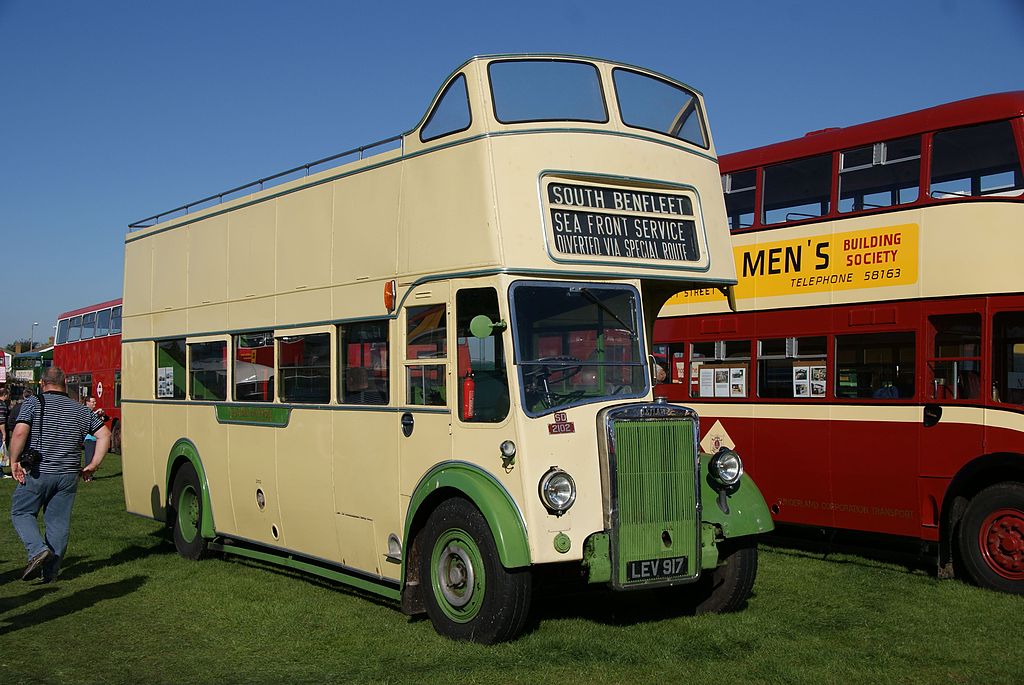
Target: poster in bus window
{"points": [[721, 382], [165, 381], [801, 382], [707, 382], [817, 381], [738, 382]]}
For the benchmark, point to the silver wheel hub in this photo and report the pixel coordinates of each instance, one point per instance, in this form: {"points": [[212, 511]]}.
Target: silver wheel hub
{"points": [[455, 575]]}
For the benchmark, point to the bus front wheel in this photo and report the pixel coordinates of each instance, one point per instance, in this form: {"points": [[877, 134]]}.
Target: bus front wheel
{"points": [[729, 586], [991, 538], [186, 512], [469, 594]]}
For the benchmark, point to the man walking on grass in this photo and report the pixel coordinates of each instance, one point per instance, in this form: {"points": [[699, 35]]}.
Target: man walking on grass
{"points": [[54, 425]]}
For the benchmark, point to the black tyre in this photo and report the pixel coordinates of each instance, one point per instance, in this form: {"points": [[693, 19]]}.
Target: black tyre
{"points": [[990, 538], [185, 513], [728, 587], [468, 594], [115, 437]]}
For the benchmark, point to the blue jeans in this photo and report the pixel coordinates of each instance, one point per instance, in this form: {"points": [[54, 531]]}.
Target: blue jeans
{"points": [[56, 494]]}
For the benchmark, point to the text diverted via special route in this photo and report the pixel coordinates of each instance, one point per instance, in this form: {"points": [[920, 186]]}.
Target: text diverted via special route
{"points": [[622, 227]]}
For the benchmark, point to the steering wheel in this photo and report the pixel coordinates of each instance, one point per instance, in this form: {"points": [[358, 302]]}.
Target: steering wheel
{"points": [[570, 367]]}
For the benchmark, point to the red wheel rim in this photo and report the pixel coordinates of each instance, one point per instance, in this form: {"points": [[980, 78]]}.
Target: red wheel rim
{"points": [[1001, 540]]}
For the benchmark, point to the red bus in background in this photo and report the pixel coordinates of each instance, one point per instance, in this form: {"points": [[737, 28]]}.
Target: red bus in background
{"points": [[88, 349], [872, 375]]}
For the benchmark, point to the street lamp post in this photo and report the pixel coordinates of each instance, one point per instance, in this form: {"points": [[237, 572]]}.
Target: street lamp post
{"points": [[32, 335]]}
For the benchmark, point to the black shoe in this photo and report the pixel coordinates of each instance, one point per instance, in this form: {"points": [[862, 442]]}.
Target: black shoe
{"points": [[35, 563]]}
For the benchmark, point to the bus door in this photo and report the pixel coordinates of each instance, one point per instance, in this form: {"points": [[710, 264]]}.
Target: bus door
{"points": [[365, 442], [876, 424], [424, 423], [1007, 381], [952, 421]]}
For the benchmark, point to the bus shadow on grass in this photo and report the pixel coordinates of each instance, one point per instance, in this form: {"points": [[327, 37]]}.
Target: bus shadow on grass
{"points": [[75, 566], [621, 609], [64, 606], [853, 548]]}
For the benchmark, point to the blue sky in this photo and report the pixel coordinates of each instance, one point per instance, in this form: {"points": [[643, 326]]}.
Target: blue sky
{"points": [[113, 111]]}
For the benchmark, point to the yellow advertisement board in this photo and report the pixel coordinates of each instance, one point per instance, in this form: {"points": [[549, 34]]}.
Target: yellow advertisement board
{"points": [[870, 258]]}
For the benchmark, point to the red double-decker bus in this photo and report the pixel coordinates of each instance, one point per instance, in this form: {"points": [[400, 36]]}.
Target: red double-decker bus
{"points": [[88, 349], [873, 373]]}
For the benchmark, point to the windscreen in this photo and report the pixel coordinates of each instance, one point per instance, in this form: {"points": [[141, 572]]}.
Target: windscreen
{"points": [[576, 344]]}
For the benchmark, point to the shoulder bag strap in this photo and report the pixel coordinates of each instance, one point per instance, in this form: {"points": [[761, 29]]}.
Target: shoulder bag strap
{"points": [[42, 410]]}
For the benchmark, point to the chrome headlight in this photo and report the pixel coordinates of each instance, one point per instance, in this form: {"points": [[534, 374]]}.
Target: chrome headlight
{"points": [[726, 467], [557, 491]]}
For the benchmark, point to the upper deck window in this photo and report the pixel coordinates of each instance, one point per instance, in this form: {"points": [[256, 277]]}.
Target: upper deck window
{"points": [[656, 105], [450, 114], [103, 323], [880, 175], [797, 190], [62, 331], [115, 320], [739, 198], [76, 329], [88, 325], [976, 160], [546, 90]]}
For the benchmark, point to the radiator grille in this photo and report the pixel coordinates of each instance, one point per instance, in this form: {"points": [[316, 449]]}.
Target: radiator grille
{"points": [[656, 499]]}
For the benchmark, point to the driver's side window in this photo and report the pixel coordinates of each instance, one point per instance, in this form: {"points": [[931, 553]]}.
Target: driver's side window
{"points": [[482, 375]]}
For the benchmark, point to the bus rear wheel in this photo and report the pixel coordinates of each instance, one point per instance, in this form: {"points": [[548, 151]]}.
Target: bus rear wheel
{"points": [[469, 595], [991, 538], [186, 512], [728, 587]]}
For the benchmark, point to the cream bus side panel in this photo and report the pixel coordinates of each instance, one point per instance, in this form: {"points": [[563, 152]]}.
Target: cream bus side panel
{"points": [[170, 269], [365, 472], [304, 243], [143, 486], [252, 266], [447, 216], [211, 441], [971, 248], [365, 227], [208, 274], [138, 293], [251, 467], [305, 490]]}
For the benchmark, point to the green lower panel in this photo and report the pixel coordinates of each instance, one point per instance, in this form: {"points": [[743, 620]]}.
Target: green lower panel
{"points": [[657, 502]]}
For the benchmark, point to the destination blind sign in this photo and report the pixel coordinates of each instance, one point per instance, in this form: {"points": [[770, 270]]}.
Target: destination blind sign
{"points": [[632, 224]]}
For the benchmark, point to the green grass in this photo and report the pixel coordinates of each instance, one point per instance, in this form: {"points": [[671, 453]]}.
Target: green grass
{"points": [[128, 609]]}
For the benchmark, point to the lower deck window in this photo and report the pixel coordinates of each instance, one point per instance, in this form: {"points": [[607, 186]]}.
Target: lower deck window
{"points": [[364, 360], [305, 365], [875, 365], [254, 367], [208, 371], [170, 369], [720, 369], [792, 367], [1008, 358]]}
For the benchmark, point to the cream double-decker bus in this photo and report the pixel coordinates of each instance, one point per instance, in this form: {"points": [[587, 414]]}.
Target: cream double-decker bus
{"points": [[422, 367]]}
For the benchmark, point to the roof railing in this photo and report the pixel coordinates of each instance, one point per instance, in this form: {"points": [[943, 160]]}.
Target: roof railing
{"points": [[270, 181]]}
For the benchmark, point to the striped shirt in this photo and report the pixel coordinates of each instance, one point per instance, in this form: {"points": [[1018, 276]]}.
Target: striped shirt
{"points": [[65, 424]]}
